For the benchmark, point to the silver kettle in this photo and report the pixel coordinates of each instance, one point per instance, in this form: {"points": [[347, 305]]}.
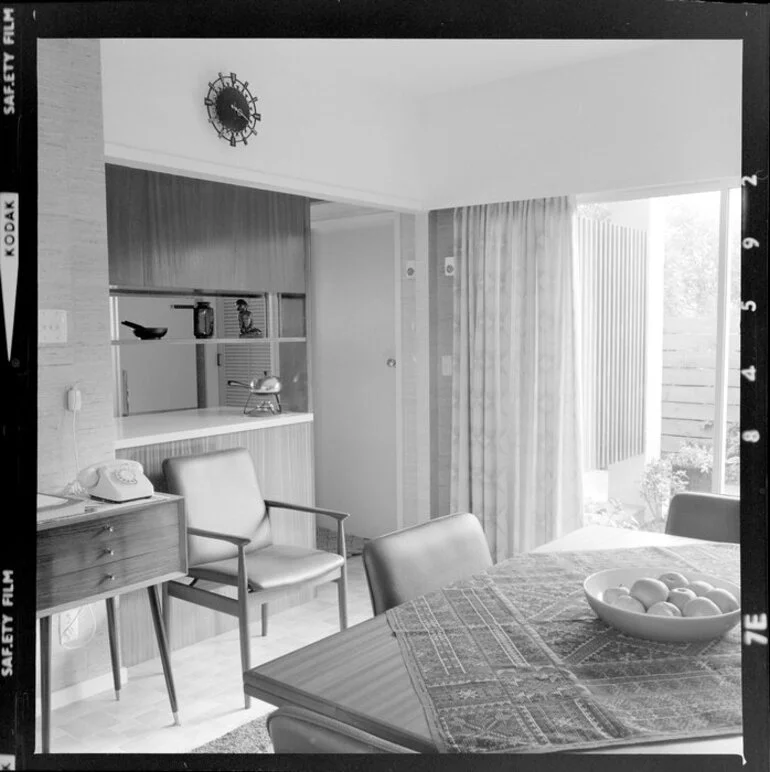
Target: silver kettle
{"points": [[269, 386]]}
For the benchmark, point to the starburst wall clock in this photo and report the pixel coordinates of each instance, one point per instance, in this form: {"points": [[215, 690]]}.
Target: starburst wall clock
{"points": [[231, 109]]}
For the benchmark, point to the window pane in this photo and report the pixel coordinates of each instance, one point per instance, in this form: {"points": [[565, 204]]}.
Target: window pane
{"points": [[732, 435], [671, 329], [691, 267]]}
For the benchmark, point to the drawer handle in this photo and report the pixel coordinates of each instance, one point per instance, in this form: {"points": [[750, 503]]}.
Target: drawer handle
{"points": [[109, 551], [110, 577], [109, 528]]}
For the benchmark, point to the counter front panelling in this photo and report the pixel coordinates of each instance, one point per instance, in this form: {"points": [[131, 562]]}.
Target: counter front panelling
{"points": [[284, 464]]}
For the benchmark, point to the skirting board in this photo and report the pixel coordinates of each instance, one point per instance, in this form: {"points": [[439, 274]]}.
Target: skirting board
{"points": [[80, 691]]}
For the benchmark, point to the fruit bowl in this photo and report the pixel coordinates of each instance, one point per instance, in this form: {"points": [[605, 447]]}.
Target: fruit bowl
{"points": [[658, 628]]}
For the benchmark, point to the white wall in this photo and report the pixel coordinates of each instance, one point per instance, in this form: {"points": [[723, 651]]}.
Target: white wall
{"points": [[661, 116], [316, 137]]}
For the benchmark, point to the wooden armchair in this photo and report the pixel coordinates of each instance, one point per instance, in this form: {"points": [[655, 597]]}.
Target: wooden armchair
{"points": [[705, 516], [414, 561], [229, 541], [297, 730]]}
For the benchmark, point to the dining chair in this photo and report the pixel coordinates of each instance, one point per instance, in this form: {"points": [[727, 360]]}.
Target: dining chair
{"points": [[229, 542], [297, 730], [705, 516], [411, 562]]}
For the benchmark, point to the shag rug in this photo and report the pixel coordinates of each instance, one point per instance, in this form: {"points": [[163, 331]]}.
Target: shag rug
{"points": [[248, 738], [326, 539]]}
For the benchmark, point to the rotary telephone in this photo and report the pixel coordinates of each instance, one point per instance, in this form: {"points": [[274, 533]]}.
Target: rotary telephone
{"points": [[117, 481]]}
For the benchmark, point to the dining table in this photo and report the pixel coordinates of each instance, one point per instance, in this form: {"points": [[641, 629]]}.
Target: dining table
{"points": [[363, 677]]}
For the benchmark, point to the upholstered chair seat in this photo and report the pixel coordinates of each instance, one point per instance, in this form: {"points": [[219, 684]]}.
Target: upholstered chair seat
{"points": [[230, 541], [268, 568]]}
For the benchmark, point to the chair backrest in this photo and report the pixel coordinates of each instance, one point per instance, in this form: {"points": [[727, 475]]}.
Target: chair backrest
{"points": [[705, 516], [296, 730], [414, 561], [221, 494]]}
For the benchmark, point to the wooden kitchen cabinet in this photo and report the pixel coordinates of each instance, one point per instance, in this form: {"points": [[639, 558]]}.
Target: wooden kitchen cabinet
{"points": [[128, 236], [269, 233], [169, 231], [191, 233]]}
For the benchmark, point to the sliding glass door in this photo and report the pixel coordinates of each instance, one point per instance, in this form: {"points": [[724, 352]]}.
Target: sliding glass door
{"points": [[660, 330]]}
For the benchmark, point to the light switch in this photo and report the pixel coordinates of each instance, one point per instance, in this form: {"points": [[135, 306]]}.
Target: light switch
{"points": [[51, 326], [446, 364]]}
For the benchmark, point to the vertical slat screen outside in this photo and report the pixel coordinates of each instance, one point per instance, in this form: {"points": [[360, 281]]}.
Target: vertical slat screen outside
{"points": [[244, 361], [613, 267]]}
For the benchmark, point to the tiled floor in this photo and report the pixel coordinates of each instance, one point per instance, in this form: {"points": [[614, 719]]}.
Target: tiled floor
{"points": [[208, 684]]}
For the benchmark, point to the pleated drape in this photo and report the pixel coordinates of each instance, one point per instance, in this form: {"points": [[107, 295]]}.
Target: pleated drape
{"points": [[516, 437]]}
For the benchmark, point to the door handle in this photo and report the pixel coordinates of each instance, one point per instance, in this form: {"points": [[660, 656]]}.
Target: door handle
{"points": [[390, 362]]}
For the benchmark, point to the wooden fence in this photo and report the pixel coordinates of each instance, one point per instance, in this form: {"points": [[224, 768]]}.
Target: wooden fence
{"points": [[689, 376]]}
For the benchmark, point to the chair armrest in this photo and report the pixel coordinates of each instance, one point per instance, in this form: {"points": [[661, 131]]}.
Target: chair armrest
{"points": [[238, 541], [302, 508]]}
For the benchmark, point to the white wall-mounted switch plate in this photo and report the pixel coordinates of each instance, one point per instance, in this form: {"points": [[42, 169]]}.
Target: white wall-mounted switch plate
{"points": [[51, 326], [449, 266], [446, 364], [411, 269]]}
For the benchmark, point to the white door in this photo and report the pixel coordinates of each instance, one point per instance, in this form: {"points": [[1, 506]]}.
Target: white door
{"points": [[354, 385]]}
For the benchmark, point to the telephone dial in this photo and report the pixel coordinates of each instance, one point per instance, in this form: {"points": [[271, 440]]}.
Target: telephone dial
{"points": [[117, 481]]}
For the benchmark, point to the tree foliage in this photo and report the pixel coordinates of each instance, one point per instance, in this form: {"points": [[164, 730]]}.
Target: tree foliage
{"points": [[692, 260]]}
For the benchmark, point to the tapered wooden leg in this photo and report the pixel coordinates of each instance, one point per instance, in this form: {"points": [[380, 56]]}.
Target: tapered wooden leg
{"points": [[45, 681], [166, 608], [264, 619], [342, 596], [243, 625], [160, 634], [342, 582], [114, 636]]}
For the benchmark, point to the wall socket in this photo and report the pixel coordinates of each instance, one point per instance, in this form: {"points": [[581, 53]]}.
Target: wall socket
{"points": [[68, 626]]}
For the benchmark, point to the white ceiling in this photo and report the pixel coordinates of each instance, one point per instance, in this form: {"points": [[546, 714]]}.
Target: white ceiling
{"points": [[419, 68]]}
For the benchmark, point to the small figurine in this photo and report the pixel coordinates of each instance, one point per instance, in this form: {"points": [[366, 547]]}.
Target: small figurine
{"points": [[248, 330]]}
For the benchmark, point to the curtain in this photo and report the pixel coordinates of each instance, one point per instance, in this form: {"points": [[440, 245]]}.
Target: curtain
{"points": [[516, 438]]}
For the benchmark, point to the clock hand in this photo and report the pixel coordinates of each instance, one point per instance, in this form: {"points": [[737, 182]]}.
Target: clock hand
{"points": [[240, 112]]}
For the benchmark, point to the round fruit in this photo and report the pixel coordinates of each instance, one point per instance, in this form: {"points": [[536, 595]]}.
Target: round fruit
{"points": [[679, 596], [700, 587], [664, 609], [674, 579], [724, 599], [627, 603], [611, 594], [649, 591], [701, 607]]}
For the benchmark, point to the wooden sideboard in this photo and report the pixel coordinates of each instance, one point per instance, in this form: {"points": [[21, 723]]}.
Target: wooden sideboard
{"points": [[109, 550]]}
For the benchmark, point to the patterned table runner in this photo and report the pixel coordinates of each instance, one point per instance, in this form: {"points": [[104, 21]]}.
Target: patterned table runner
{"points": [[514, 660]]}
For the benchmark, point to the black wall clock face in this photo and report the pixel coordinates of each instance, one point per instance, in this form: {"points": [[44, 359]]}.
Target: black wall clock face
{"points": [[231, 109]]}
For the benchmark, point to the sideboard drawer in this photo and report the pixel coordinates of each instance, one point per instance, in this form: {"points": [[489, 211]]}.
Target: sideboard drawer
{"points": [[55, 590], [71, 548], [99, 556]]}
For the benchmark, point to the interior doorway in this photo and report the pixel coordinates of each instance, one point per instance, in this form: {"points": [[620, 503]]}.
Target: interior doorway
{"points": [[354, 371]]}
